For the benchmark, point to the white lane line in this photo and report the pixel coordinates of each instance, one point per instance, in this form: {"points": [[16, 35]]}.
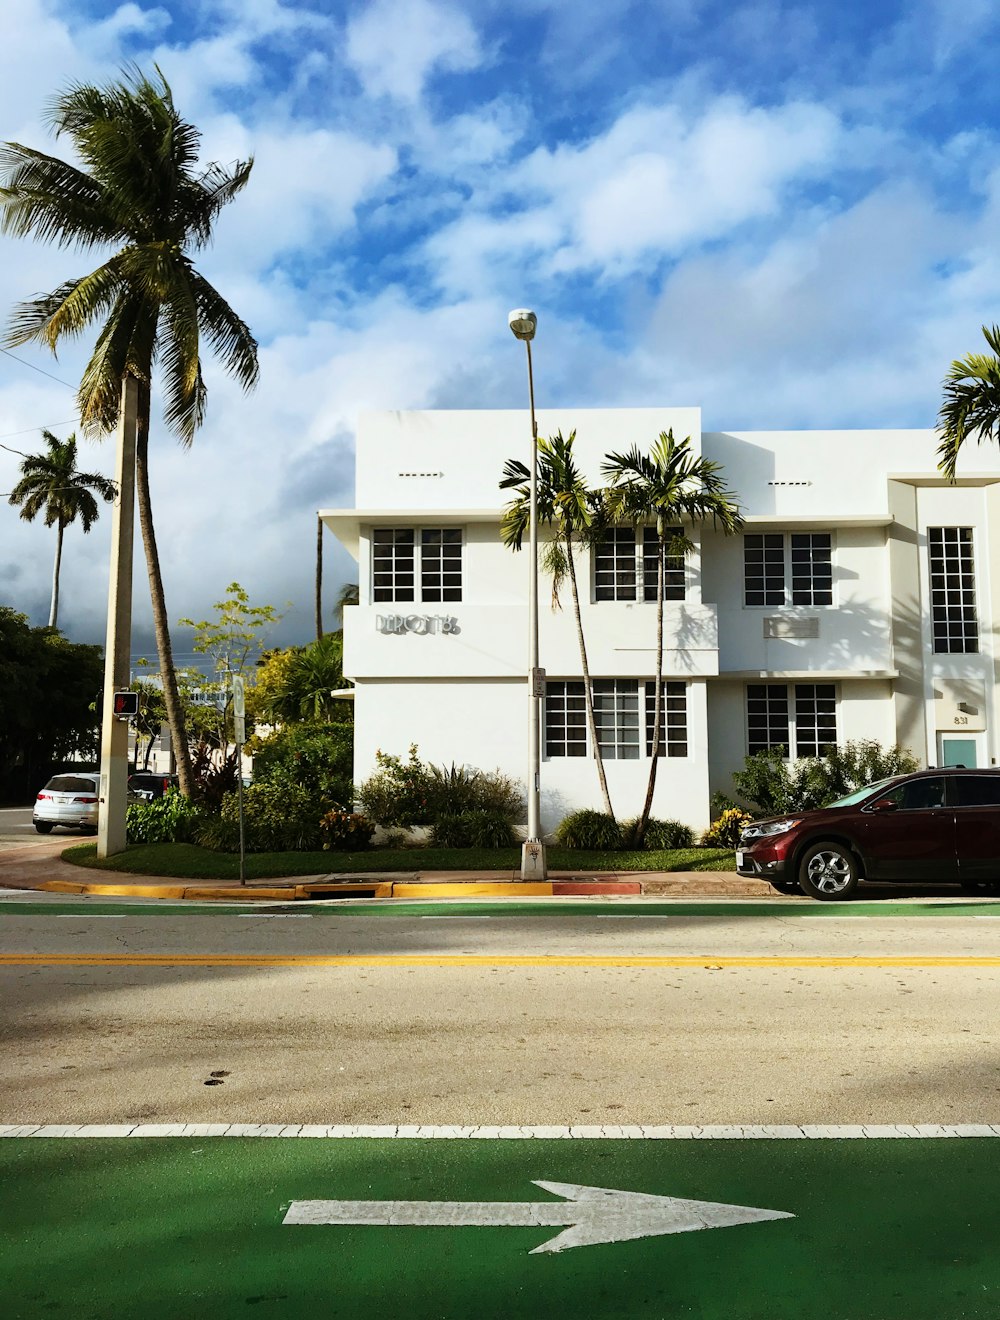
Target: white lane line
{"points": [[91, 916], [278, 916], [631, 916], [457, 917], [666, 1132]]}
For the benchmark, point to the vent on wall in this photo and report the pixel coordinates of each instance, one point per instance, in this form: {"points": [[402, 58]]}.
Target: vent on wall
{"points": [[777, 627], [789, 483], [419, 474]]}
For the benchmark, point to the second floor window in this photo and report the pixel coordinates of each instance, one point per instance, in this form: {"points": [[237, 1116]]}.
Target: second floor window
{"points": [[625, 566], [796, 569], [954, 622], [422, 564]]}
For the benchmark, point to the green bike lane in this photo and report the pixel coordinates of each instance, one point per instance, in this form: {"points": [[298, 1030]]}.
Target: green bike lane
{"points": [[163, 1227]]}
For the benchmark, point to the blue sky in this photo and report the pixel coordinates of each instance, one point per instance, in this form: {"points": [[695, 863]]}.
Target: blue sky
{"points": [[784, 214]]}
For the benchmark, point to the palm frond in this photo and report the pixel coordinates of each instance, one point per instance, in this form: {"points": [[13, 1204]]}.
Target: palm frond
{"points": [[971, 405]]}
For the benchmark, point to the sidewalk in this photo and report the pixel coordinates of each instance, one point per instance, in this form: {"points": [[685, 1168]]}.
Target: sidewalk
{"points": [[38, 865]]}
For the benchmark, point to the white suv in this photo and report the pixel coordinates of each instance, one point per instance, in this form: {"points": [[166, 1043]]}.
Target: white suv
{"points": [[69, 800]]}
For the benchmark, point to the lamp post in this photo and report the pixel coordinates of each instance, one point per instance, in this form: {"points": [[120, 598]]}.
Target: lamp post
{"points": [[522, 322]]}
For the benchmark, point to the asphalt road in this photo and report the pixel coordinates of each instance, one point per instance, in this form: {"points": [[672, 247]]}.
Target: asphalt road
{"points": [[424, 1020]]}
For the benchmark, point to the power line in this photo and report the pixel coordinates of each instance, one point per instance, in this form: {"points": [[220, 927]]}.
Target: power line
{"points": [[32, 367], [69, 421]]}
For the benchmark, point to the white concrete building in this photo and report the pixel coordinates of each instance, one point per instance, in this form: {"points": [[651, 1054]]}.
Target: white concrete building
{"points": [[858, 602]]}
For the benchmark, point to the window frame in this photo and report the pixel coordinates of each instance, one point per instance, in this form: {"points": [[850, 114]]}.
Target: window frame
{"points": [[953, 618], [631, 725], [636, 564], [793, 697], [431, 583], [818, 573]]}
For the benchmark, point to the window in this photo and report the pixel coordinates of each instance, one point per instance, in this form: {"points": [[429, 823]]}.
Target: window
{"points": [[954, 624], [771, 561], [616, 714], [804, 723], [565, 719], [625, 569], [917, 794], [673, 728], [402, 557]]}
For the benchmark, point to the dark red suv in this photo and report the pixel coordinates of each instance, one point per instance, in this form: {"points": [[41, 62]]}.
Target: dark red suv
{"points": [[936, 825]]}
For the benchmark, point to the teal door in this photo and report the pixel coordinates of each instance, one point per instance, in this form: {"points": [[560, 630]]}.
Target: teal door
{"points": [[959, 751]]}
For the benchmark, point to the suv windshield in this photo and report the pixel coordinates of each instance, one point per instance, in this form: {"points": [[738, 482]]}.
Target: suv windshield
{"points": [[860, 794]]}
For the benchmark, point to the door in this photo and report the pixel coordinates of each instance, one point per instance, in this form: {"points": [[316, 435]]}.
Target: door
{"points": [[914, 838], [959, 749], [977, 826]]}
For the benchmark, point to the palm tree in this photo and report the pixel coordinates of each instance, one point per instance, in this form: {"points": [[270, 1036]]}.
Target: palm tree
{"points": [[310, 677], [667, 486], [141, 193], [971, 404], [566, 504], [52, 483]]}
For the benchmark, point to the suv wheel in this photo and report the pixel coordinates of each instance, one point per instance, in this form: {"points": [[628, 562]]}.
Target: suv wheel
{"points": [[829, 872]]}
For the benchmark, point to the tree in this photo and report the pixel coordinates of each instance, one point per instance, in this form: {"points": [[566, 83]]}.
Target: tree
{"points": [[668, 486], [971, 404], [575, 512], [298, 684], [232, 641], [140, 192], [52, 484], [49, 694]]}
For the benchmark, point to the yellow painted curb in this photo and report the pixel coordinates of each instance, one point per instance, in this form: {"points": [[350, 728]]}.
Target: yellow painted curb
{"points": [[464, 889], [116, 891]]}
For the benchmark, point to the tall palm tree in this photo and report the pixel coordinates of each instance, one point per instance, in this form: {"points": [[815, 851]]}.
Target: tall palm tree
{"points": [[971, 404], [566, 504], [53, 484], [141, 193], [668, 486]]}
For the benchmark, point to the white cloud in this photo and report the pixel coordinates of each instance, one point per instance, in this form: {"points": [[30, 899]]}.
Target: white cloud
{"points": [[396, 45]]}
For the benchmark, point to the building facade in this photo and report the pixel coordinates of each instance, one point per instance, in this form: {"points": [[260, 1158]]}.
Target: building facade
{"points": [[858, 602]]}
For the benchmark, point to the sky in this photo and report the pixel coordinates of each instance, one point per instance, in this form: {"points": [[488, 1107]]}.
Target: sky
{"points": [[784, 214]]}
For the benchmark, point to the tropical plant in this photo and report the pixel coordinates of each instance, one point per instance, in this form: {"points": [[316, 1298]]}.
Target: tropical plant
{"points": [[971, 405], [52, 484], [594, 830], [666, 835], [140, 192], [473, 829], [670, 485], [171, 818], [575, 513], [726, 830], [318, 757], [278, 817], [345, 831], [775, 786], [398, 792]]}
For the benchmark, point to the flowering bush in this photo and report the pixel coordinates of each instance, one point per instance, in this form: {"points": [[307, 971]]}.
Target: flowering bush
{"points": [[726, 830], [345, 831]]}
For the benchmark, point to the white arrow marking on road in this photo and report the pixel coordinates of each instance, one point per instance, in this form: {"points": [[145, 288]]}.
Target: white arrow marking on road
{"points": [[593, 1214]]}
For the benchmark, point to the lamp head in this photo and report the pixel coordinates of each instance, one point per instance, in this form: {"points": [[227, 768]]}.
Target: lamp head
{"points": [[523, 321]]}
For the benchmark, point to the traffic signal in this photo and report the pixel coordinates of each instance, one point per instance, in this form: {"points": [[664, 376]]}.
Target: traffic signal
{"points": [[126, 704]]}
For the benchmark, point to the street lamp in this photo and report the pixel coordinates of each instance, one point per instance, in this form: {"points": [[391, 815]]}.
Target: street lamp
{"points": [[523, 322]]}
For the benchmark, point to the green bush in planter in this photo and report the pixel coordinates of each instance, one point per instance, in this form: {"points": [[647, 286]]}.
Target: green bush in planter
{"points": [[473, 829], [345, 831], [172, 818], [664, 835], [278, 817]]}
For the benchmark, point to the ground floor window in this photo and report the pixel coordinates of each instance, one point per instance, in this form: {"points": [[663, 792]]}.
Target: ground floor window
{"points": [[620, 721], [800, 717]]}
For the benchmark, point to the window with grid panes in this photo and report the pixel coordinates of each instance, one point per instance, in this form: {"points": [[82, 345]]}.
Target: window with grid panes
{"points": [[402, 557], [803, 725], [809, 566], [565, 719], [812, 568], [764, 568], [623, 566], [616, 714], [954, 621], [673, 728]]}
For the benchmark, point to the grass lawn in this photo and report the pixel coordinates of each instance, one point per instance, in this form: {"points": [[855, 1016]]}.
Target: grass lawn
{"points": [[185, 861]]}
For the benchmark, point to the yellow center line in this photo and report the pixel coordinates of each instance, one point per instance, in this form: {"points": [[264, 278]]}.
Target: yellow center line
{"points": [[470, 960]]}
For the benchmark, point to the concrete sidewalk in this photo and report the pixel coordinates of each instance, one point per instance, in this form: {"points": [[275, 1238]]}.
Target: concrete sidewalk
{"points": [[38, 865]]}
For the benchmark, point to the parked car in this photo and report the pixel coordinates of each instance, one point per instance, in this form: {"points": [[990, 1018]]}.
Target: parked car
{"points": [[147, 785], [935, 825], [69, 800]]}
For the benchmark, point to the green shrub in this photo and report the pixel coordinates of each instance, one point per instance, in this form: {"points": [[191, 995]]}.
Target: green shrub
{"points": [[473, 829], [317, 757], [412, 793], [662, 835], [725, 832], [277, 817], [398, 793], [172, 818], [345, 831], [594, 830], [775, 786]]}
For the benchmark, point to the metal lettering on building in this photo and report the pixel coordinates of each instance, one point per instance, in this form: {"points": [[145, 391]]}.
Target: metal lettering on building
{"points": [[421, 624]]}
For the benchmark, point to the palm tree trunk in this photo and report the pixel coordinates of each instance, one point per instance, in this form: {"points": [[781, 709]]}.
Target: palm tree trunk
{"points": [[54, 607], [647, 808], [587, 690], [161, 627], [319, 578]]}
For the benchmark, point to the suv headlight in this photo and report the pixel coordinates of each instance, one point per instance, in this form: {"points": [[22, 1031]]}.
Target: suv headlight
{"points": [[769, 828]]}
